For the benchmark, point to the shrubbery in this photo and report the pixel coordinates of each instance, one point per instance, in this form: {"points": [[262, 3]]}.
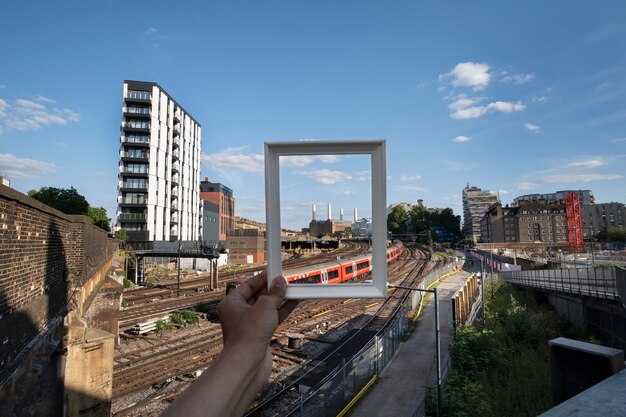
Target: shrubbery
{"points": [[501, 368]]}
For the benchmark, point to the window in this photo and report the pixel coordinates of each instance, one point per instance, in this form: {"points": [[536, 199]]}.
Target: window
{"points": [[138, 124], [133, 138], [141, 95]]}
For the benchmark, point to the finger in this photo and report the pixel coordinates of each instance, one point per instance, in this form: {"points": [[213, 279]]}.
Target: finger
{"points": [[277, 290], [286, 309], [251, 286]]}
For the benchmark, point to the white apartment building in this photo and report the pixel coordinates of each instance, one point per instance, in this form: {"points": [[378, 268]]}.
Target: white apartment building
{"points": [[476, 202], [159, 169]]}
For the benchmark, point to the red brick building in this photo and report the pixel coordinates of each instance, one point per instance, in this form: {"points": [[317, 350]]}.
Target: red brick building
{"points": [[222, 196]]}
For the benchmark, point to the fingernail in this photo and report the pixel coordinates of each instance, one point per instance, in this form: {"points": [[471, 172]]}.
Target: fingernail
{"points": [[279, 282]]}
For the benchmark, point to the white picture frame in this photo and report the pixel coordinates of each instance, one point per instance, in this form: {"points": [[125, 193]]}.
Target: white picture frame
{"points": [[376, 150]]}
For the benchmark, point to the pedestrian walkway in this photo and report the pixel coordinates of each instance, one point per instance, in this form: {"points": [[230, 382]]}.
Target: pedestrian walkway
{"points": [[400, 389]]}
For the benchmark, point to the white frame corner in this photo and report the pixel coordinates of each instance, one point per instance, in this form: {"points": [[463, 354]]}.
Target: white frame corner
{"points": [[374, 148]]}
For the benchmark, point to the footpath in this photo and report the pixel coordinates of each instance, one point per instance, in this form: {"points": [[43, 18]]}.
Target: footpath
{"points": [[400, 390]]}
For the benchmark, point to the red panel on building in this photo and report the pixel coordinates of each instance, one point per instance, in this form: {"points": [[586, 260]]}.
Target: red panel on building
{"points": [[574, 223]]}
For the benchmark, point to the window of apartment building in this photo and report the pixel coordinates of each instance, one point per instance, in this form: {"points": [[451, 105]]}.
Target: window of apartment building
{"points": [[134, 198], [135, 138], [135, 183]]}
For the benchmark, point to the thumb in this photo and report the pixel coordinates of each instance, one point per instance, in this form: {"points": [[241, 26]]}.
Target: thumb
{"points": [[277, 291]]}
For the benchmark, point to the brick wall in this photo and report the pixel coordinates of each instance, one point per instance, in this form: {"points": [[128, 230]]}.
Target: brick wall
{"points": [[44, 256]]}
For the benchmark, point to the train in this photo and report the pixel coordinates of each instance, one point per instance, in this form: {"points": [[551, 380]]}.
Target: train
{"points": [[340, 271]]}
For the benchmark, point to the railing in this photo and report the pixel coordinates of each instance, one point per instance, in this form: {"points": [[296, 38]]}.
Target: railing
{"points": [[137, 110], [620, 278], [176, 141], [136, 139], [142, 155], [592, 282], [133, 200], [134, 185], [141, 95], [136, 125], [128, 170], [132, 216]]}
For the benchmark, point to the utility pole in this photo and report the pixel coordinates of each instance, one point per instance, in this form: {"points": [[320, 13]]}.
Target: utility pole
{"points": [[178, 266]]}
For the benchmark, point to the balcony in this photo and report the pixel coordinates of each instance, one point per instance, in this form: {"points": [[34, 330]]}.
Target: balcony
{"points": [[174, 180], [176, 131], [175, 155], [174, 206], [141, 141], [139, 112], [176, 117], [133, 186], [174, 219], [174, 193], [133, 201], [136, 126], [175, 166], [133, 96], [134, 171], [135, 156], [176, 142], [134, 217]]}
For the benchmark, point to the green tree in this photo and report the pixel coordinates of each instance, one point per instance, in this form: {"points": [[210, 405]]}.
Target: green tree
{"points": [[67, 201], [420, 219], [122, 235], [616, 235], [396, 220], [99, 217]]}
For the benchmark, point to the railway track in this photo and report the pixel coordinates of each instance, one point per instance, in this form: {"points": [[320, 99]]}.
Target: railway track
{"points": [[282, 401], [136, 370]]}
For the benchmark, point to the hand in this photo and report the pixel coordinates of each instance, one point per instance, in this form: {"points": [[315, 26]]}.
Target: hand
{"points": [[249, 316]]}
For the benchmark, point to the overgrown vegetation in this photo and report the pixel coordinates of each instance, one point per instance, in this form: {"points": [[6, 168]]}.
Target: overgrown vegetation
{"points": [[184, 317], [163, 325], [127, 283], [501, 368]]}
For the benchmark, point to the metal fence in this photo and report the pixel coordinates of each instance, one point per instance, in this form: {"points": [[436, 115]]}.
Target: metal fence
{"points": [[336, 391], [592, 282]]}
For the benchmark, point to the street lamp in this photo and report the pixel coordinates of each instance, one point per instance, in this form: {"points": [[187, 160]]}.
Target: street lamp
{"points": [[437, 339]]}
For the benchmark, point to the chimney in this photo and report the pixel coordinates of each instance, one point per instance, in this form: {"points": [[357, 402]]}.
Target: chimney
{"points": [[356, 215], [313, 212], [340, 214], [206, 179], [330, 216]]}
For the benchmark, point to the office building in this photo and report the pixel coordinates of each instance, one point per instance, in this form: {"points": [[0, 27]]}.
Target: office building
{"points": [[476, 202], [159, 168], [558, 197], [221, 196], [597, 217]]}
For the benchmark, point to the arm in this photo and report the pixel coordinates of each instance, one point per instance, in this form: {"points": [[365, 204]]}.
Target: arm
{"points": [[249, 317]]}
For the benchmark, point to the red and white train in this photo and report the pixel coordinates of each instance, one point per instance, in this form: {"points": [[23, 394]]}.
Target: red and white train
{"points": [[342, 270]]}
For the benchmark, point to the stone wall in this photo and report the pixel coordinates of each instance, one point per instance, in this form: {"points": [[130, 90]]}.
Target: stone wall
{"points": [[46, 258]]}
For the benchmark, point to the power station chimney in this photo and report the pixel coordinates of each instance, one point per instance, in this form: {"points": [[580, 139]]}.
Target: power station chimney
{"points": [[356, 215], [313, 212], [340, 214], [330, 216]]}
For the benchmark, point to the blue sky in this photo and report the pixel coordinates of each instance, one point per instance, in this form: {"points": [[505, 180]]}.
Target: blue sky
{"points": [[521, 98]]}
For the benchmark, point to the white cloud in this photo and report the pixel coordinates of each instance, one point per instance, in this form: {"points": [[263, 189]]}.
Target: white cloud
{"points": [[14, 167], [28, 104], [298, 161], [44, 99], [517, 78], [326, 176], [27, 115], [527, 185], [594, 163], [462, 138], [504, 192], [469, 74], [412, 188], [2, 86], [602, 86], [349, 193], [410, 177], [619, 140], [228, 158], [566, 178], [151, 31], [532, 127], [466, 108], [540, 99], [362, 175]]}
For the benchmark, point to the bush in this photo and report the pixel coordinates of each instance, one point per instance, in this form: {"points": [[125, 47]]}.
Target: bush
{"points": [[184, 317], [127, 283], [163, 325]]}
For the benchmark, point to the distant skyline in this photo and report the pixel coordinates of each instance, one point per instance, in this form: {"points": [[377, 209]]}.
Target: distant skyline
{"points": [[516, 98]]}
